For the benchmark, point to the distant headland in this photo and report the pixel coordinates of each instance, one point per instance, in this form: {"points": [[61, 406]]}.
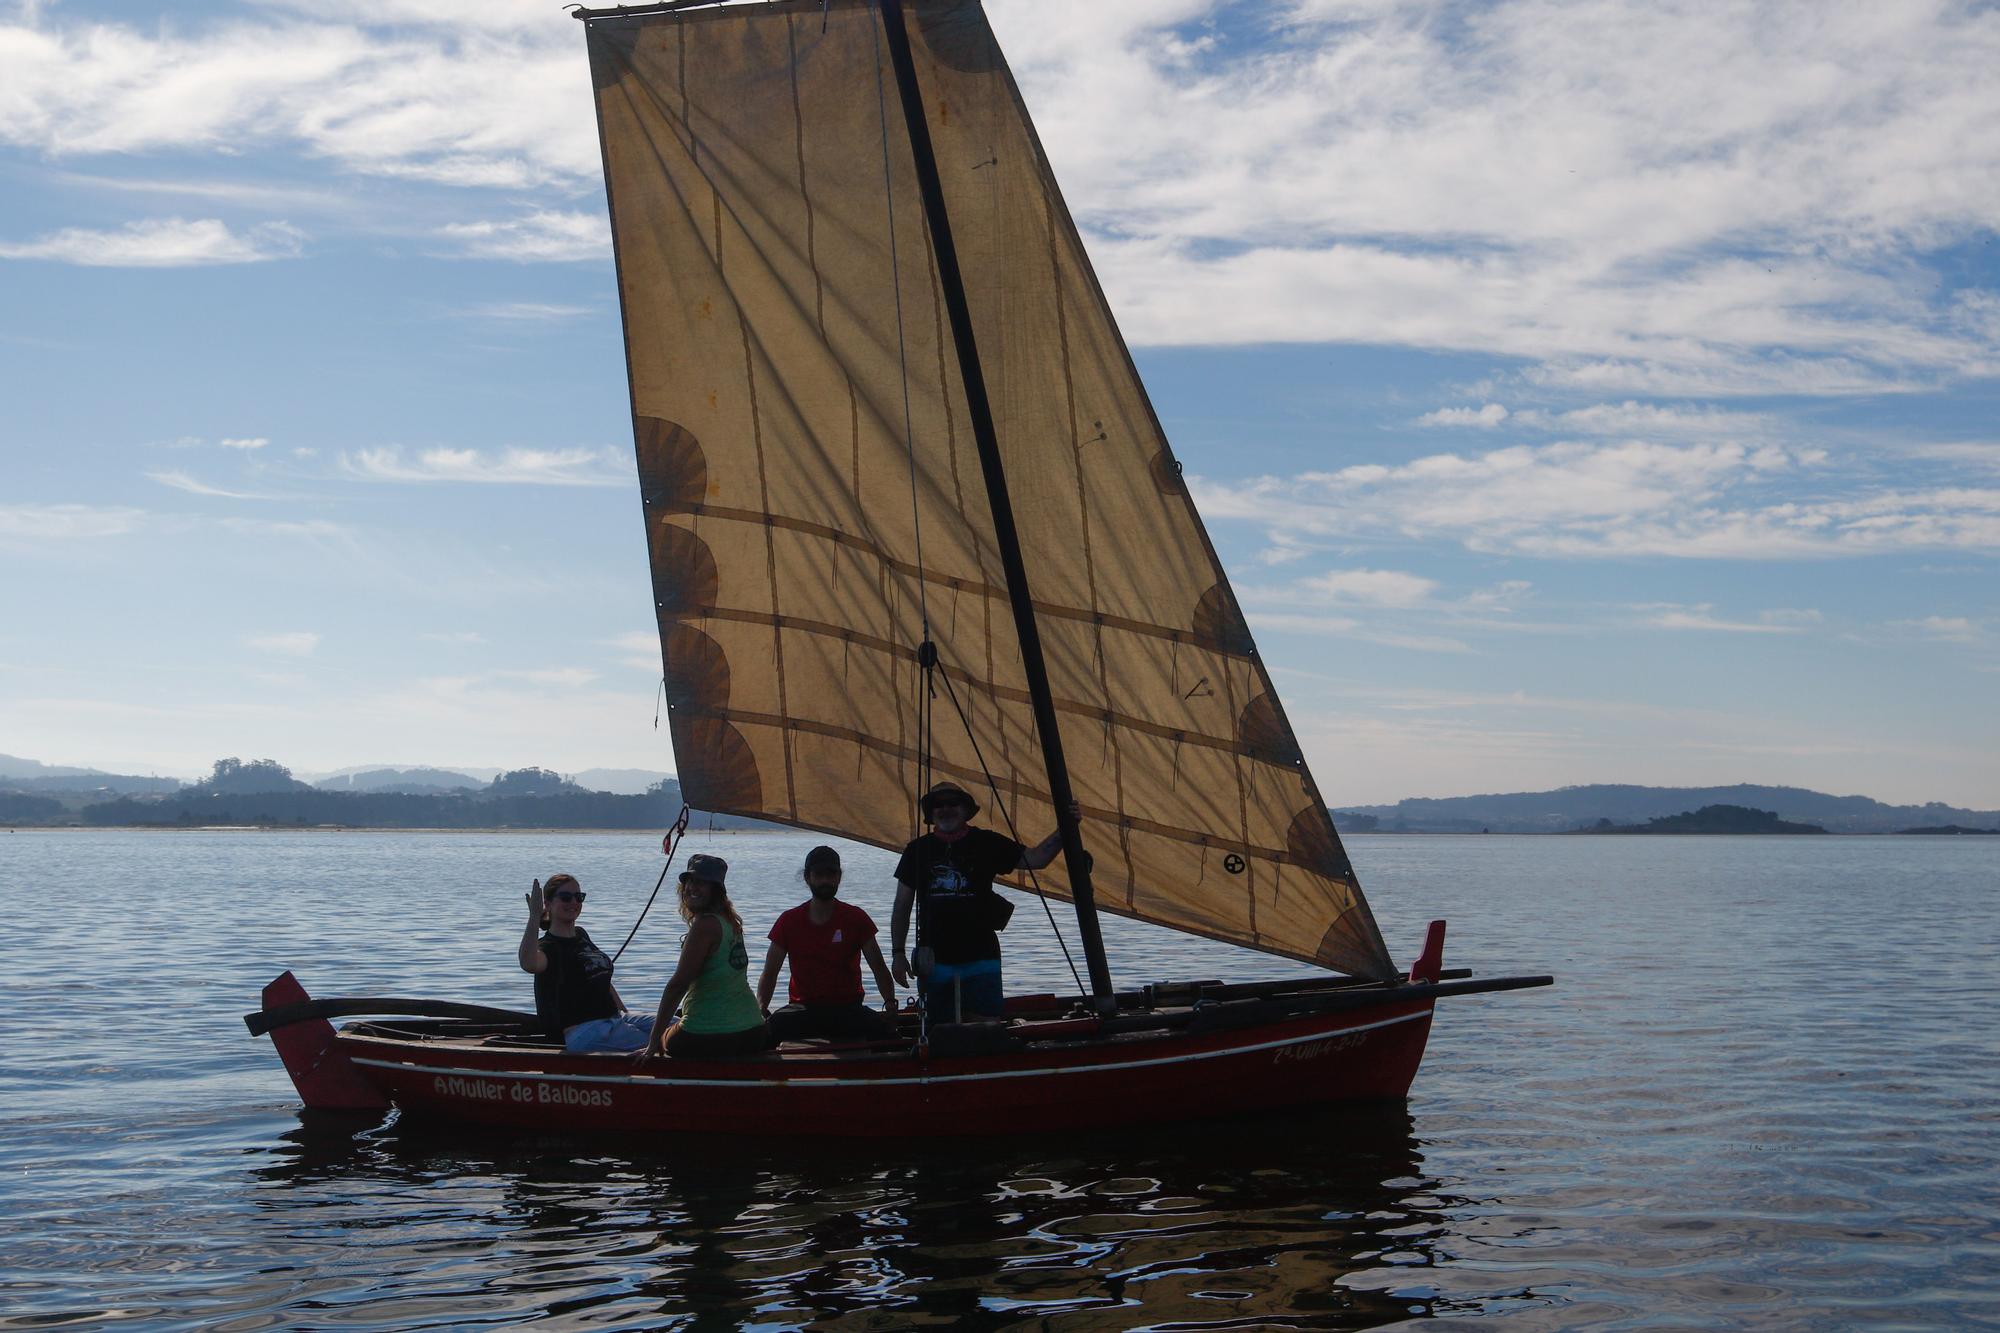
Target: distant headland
{"points": [[1730, 819], [264, 793], [267, 794]]}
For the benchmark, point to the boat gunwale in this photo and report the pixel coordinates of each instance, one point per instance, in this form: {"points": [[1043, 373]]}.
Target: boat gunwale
{"points": [[819, 1069]]}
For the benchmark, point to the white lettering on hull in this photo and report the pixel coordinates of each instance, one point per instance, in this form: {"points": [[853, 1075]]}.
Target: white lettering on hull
{"points": [[540, 1094]]}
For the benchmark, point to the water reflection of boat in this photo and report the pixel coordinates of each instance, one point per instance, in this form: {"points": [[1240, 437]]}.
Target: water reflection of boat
{"points": [[896, 466], [1202, 1229]]}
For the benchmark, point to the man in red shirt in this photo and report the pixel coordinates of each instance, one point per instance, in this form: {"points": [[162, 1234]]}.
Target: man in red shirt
{"points": [[825, 939]]}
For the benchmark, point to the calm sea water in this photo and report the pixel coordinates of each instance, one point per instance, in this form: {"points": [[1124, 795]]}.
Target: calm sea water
{"points": [[1764, 1094]]}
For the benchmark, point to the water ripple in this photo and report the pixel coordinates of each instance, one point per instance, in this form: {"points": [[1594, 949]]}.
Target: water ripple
{"points": [[1755, 1102]]}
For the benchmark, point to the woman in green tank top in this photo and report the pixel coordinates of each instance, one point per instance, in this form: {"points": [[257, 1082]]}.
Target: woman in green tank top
{"points": [[711, 984]]}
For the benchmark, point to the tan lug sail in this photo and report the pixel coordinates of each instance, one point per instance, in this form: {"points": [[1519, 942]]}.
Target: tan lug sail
{"points": [[813, 501]]}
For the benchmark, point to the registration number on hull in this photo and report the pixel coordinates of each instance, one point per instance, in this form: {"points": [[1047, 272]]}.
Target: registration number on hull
{"points": [[1315, 1050]]}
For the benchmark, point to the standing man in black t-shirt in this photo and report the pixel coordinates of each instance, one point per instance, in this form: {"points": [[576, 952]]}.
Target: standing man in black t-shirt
{"points": [[951, 869]]}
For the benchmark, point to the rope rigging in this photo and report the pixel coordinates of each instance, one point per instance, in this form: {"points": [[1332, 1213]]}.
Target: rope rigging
{"points": [[672, 844]]}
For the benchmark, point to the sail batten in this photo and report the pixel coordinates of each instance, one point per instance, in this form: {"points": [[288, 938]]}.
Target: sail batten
{"points": [[809, 485]]}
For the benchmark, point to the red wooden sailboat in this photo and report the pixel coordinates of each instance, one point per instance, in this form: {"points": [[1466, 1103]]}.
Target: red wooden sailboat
{"points": [[892, 451]]}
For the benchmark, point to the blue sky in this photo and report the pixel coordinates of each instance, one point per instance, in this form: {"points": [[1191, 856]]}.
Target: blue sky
{"points": [[1575, 393]]}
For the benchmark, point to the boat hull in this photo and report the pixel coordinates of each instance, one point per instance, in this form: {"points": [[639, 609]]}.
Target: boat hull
{"points": [[1365, 1055]]}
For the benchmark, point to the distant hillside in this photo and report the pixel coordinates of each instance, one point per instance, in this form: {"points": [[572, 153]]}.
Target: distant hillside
{"points": [[1731, 819], [91, 784], [326, 778], [1570, 808], [12, 766], [625, 781], [410, 781]]}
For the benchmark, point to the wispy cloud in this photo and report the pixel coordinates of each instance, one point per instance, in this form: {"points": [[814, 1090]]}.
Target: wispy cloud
{"points": [[296, 643], [312, 529], [533, 467], [525, 312], [1629, 498], [181, 481], [1703, 617], [568, 676], [240, 193], [1979, 454], [1943, 629], [636, 649], [1629, 418], [161, 243], [64, 522], [1372, 587], [1709, 213], [537, 237], [247, 445], [1349, 628]]}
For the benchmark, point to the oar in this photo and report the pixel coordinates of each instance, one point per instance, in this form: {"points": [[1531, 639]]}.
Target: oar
{"points": [[266, 1019]]}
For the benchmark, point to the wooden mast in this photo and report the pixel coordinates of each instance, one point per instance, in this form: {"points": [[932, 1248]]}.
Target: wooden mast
{"points": [[1075, 859]]}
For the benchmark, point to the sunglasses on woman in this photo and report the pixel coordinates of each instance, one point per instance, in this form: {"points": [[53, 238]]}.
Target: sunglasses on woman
{"points": [[568, 895]]}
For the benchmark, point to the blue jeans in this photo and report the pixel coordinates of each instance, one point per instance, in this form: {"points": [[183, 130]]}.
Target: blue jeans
{"points": [[979, 992], [624, 1032]]}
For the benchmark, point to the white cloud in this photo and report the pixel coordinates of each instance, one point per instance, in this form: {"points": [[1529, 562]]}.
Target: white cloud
{"points": [[1490, 415], [59, 522], [526, 312], [638, 648], [1649, 419], [1711, 201], [536, 237], [161, 243], [1373, 587], [1628, 498], [298, 643], [1501, 597], [247, 444], [1975, 454], [242, 193], [540, 467], [1703, 617], [1945, 629], [460, 105]]}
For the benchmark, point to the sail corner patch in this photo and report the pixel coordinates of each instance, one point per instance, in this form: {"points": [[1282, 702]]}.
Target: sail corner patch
{"points": [[673, 472], [717, 767]]}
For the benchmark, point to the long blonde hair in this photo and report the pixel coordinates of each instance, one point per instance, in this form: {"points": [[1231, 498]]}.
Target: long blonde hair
{"points": [[718, 902]]}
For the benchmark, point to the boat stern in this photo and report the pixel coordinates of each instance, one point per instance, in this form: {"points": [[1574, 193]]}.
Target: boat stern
{"points": [[326, 1079]]}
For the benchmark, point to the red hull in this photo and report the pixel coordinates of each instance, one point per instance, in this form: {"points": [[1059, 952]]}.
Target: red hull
{"points": [[1361, 1055]]}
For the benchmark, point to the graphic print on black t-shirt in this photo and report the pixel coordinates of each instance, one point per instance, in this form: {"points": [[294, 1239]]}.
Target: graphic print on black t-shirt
{"points": [[953, 881], [576, 985]]}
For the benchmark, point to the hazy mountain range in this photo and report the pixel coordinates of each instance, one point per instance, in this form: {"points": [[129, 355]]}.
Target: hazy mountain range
{"points": [[31, 775], [1569, 808], [1557, 811]]}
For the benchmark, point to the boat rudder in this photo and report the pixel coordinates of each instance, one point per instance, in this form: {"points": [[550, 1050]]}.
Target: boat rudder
{"points": [[1431, 961], [326, 1079]]}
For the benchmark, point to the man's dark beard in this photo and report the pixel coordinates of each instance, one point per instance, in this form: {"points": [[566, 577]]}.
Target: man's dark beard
{"points": [[823, 891]]}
